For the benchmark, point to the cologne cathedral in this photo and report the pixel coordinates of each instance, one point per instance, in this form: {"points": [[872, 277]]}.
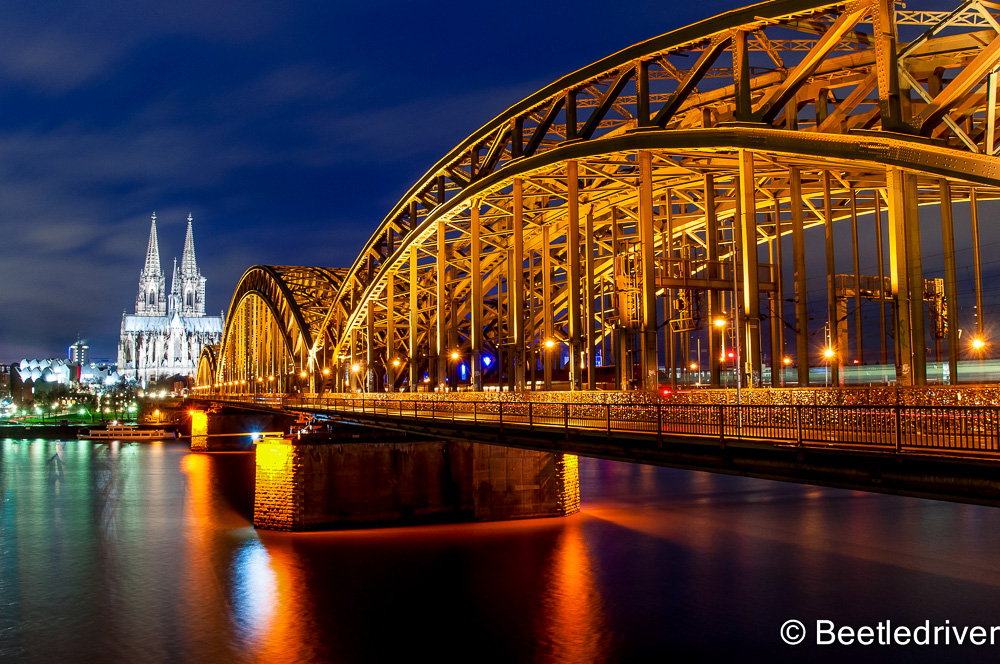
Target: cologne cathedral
{"points": [[164, 337]]}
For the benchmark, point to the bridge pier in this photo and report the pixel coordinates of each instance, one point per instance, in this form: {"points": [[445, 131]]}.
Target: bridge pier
{"points": [[328, 483], [229, 429]]}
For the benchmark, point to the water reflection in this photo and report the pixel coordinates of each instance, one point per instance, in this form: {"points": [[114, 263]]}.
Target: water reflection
{"points": [[254, 588], [144, 552], [572, 617]]}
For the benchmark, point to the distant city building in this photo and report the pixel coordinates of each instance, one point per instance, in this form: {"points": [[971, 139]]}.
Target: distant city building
{"points": [[29, 378], [78, 352], [164, 337]]}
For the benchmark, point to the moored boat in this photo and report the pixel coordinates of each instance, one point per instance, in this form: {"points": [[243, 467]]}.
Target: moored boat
{"points": [[125, 432]]}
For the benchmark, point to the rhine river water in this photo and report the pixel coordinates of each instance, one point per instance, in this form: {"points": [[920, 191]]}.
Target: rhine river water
{"points": [[144, 552]]}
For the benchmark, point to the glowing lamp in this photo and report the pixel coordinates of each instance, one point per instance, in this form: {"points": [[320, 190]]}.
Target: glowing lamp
{"points": [[828, 353], [549, 343], [720, 322], [454, 354]]}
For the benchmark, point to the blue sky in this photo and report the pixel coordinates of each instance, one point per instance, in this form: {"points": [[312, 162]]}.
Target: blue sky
{"points": [[286, 129]]}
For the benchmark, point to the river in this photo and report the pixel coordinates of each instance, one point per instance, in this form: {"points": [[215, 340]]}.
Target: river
{"points": [[144, 552]]}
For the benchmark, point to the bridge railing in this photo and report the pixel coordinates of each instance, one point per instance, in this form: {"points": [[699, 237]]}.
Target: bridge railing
{"points": [[969, 429]]}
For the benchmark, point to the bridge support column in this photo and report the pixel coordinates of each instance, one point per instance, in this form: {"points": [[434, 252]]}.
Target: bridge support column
{"points": [[517, 297], [832, 317], [799, 265], [573, 272], [977, 270], [950, 280], [441, 308], [371, 377], [476, 318], [355, 374], [751, 283], [647, 239], [774, 301], [548, 354], [714, 297], [914, 262], [390, 332], [588, 328], [899, 276], [414, 292]]}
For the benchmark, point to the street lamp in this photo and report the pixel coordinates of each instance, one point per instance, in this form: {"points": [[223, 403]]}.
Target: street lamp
{"points": [[355, 369], [720, 324], [828, 355]]}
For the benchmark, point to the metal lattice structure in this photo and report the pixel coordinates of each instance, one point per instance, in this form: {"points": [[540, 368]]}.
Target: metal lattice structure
{"points": [[654, 189], [275, 321]]}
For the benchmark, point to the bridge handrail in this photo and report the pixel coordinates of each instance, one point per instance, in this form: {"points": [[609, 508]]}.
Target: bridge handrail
{"points": [[892, 428]]}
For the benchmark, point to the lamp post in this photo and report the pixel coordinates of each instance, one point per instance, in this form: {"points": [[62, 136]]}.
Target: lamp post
{"points": [[979, 348], [829, 354], [455, 357], [720, 324], [355, 368]]}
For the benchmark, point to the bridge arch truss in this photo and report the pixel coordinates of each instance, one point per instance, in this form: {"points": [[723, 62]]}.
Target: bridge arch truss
{"points": [[587, 234], [274, 327]]}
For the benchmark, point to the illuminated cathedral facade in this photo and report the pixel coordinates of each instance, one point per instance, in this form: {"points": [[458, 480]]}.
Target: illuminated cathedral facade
{"points": [[165, 335]]}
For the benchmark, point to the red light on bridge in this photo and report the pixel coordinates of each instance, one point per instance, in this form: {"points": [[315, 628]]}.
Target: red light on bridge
{"points": [[731, 355], [666, 391]]}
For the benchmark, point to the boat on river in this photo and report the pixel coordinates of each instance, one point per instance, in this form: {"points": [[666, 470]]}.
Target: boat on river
{"points": [[125, 432]]}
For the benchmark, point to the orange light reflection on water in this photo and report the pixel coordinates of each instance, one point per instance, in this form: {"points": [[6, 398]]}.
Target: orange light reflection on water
{"points": [[291, 635], [235, 581], [572, 626]]}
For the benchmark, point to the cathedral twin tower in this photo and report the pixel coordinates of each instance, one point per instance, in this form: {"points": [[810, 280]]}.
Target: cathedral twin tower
{"points": [[164, 337]]}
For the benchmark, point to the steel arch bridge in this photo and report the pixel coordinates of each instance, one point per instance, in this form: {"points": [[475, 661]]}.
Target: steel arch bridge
{"points": [[593, 231]]}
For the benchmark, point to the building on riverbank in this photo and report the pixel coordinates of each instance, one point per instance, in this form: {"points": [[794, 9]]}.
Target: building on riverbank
{"points": [[165, 335]]}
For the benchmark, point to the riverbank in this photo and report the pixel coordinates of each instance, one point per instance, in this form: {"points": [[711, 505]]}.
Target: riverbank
{"points": [[43, 431], [46, 431]]}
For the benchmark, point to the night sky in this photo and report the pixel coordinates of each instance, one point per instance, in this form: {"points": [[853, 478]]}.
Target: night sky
{"points": [[287, 129]]}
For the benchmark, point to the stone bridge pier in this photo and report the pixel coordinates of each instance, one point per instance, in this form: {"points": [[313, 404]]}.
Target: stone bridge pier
{"points": [[336, 482], [350, 476]]}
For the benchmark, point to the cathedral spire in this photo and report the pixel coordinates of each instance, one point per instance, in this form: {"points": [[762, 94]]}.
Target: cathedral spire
{"points": [[189, 266], [152, 268], [150, 300]]}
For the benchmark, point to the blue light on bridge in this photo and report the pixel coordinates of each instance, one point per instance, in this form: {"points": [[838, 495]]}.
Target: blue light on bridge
{"points": [[463, 371], [487, 360]]}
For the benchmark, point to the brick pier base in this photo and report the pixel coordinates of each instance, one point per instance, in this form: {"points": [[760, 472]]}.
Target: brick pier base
{"points": [[317, 485]]}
